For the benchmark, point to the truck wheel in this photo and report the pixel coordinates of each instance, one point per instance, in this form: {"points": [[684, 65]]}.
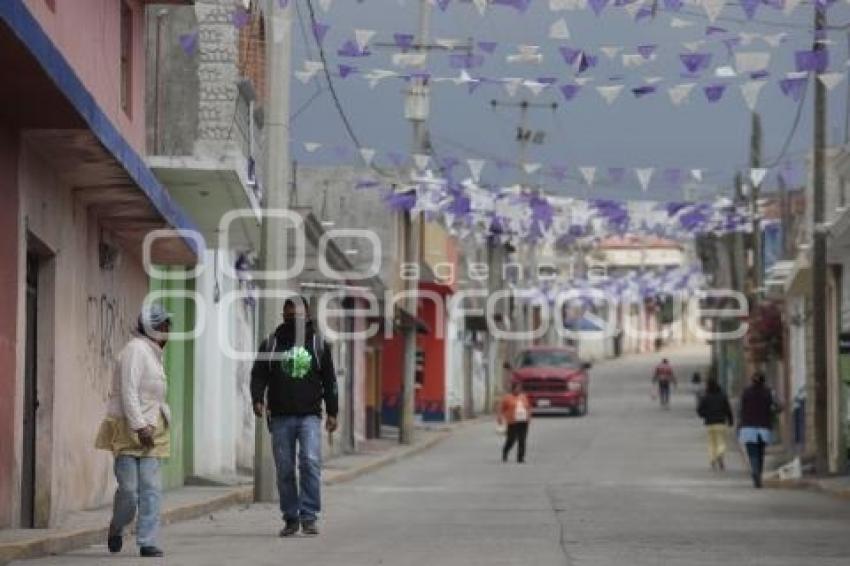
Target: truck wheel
{"points": [[581, 409]]}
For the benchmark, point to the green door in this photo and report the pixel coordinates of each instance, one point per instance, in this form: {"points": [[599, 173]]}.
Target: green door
{"points": [[179, 367]]}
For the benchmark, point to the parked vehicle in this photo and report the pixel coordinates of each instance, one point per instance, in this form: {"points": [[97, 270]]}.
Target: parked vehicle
{"points": [[554, 379]]}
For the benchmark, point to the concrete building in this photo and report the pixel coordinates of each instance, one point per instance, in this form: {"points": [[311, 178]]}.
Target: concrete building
{"points": [[77, 201], [206, 137]]}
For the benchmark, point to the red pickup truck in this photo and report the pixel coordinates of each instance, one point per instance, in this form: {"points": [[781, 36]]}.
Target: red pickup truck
{"points": [[554, 380]]}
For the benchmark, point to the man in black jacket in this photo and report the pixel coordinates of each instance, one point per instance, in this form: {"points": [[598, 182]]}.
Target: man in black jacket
{"points": [[292, 375]]}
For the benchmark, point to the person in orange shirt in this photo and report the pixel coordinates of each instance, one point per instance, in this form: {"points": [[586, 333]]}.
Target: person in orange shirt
{"points": [[516, 413]]}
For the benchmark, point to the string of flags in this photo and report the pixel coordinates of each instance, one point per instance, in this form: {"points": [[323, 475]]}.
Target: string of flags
{"points": [[517, 215], [789, 172]]}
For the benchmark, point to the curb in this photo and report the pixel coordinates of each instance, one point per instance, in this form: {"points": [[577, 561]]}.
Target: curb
{"points": [[809, 485], [384, 461], [61, 542]]}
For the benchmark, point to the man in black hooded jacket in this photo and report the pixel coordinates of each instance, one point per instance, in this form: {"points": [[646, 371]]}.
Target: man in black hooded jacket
{"points": [[292, 375]]}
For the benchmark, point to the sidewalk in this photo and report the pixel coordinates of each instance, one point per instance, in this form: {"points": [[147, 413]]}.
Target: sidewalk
{"points": [[84, 528], [836, 487]]}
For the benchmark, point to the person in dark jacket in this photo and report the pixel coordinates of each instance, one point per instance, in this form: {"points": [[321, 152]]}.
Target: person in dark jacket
{"points": [[716, 412], [758, 407], [292, 375]]}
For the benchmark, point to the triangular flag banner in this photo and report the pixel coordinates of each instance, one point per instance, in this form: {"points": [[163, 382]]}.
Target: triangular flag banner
{"points": [[363, 37], [775, 40], [534, 86], [725, 72], [610, 51], [572, 5], [367, 154], [481, 5], [757, 175], [305, 76], [610, 93], [697, 175], [679, 23], [713, 8], [752, 61], [790, 5], [751, 90], [320, 30], [325, 5], [632, 8], [831, 80], [312, 146], [589, 174], [597, 5], [313, 66], [559, 30], [680, 93], [644, 177], [531, 168], [512, 86], [633, 60], [421, 161], [475, 167]]}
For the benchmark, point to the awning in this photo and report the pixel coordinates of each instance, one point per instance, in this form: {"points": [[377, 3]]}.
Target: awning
{"points": [[45, 99]]}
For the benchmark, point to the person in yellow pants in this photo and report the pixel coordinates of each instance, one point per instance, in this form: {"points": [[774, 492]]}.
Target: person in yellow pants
{"points": [[716, 412]]}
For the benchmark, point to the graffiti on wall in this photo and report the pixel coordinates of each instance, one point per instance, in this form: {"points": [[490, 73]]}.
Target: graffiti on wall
{"points": [[107, 329]]}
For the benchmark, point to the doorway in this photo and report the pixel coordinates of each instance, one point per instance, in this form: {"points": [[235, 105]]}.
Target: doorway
{"points": [[30, 409]]}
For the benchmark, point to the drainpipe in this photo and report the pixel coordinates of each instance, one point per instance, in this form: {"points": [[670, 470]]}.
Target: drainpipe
{"points": [[157, 124]]}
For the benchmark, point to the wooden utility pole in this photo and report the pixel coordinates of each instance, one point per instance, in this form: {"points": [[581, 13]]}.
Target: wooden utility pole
{"points": [[276, 181], [417, 104], [819, 266], [524, 137], [755, 162]]}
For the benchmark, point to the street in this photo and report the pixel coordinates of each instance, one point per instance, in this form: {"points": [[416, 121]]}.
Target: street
{"points": [[628, 485]]}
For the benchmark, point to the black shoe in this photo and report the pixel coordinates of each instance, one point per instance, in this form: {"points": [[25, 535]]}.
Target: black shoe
{"points": [[151, 552], [309, 528], [114, 543], [290, 529]]}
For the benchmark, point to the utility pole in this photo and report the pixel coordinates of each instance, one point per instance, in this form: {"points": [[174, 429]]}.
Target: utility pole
{"points": [[755, 162], [417, 111], [277, 190], [524, 137], [819, 265]]}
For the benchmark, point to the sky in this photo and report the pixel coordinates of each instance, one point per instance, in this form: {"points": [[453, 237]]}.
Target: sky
{"points": [[646, 132]]}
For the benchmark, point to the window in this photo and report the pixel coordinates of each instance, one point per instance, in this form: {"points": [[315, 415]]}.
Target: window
{"points": [[126, 57]]}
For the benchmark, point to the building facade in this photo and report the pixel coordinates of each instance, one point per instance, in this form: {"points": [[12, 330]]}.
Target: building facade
{"points": [[78, 201]]}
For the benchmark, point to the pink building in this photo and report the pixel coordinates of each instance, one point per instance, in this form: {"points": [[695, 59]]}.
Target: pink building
{"points": [[76, 201]]}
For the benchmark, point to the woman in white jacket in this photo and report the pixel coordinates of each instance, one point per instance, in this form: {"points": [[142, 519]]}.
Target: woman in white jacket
{"points": [[136, 431]]}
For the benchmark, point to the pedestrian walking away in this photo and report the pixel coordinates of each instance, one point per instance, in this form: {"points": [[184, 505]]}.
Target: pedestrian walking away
{"points": [[697, 387], [515, 412], [291, 378], [716, 412], [758, 408], [664, 379], [136, 431]]}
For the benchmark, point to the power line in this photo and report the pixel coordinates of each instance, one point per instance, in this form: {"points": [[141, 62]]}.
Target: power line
{"points": [[334, 96]]}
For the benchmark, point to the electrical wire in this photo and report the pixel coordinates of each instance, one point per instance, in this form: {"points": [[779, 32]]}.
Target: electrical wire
{"points": [[791, 133], [334, 96]]}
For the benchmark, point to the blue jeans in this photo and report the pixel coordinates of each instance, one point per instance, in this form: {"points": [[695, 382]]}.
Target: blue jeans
{"points": [[755, 452], [296, 504], [139, 486]]}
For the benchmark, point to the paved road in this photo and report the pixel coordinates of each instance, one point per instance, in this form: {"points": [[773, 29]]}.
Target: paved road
{"points": [[628, 485]]}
